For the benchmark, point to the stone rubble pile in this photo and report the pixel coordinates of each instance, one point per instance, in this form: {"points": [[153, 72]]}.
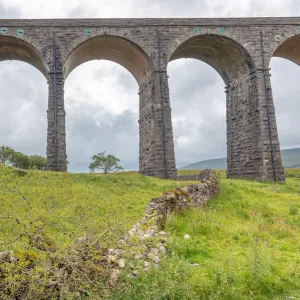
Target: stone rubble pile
{"points": [[144, 244]]}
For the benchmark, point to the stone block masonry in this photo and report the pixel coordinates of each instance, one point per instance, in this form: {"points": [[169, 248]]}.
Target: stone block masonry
{"points": [[239, 49]]}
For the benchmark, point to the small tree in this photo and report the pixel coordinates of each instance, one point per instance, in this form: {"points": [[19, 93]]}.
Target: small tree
{"points": [[6, 154], [38, 162], [107, 163], [20, 160]]}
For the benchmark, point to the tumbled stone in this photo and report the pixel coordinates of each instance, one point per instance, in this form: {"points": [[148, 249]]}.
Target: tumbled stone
{"points": [[121, 263], [80, 240], [162, 233], [162, 250], [155, 259], [146, 264], [138, 256], [154, 251], [186, 237], [112, 258], [115, 273], [194, 265]]}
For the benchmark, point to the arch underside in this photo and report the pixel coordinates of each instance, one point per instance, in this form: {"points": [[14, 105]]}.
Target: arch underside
{"points": [[289, 49], [111, 48], [15, 49], [228, 58]]}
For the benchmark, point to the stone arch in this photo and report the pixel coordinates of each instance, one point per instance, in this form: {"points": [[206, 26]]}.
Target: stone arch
{"points": [[113, 48], [288, 48], [238, 70], [230, 59], [12, 48]]}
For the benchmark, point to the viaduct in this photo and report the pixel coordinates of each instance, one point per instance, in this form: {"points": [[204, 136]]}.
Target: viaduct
{"points": [[238, 49]]}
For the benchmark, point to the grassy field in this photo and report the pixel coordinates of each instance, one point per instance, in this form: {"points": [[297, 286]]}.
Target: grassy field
{"points": [[244, 245], [67, 206]]}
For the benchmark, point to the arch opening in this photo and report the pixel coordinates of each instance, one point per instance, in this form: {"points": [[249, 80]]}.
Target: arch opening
{"points": [[115, 49], [12, 48], [235, 66], [23, 106], [101, 114], [285, 91], [283, 65], [226, 56], [198, 114]]}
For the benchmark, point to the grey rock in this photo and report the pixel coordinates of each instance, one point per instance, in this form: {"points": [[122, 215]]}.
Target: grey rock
{"points": [[121, 263]]}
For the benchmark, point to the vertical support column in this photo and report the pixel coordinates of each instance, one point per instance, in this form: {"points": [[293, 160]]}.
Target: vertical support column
{"points": [[165, 155], [157, 156], [56, 136], [147, 129], [252, 142], [244, 159], [272, 164]]}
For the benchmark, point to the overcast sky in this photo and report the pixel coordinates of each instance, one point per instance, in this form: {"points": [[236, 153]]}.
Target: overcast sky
{"points": [[101, 97]]}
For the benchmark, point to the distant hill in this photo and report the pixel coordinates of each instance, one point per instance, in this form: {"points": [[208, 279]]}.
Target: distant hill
{"points": [[295, 167], [215, 164], [290, 159]]}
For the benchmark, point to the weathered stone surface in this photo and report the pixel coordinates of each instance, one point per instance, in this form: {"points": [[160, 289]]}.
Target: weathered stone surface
{"points": [[121, 263], [239, 49]]}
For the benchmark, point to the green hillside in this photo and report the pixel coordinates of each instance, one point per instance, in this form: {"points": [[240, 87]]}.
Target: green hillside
{"points": [[244, 244], [214, 164], [290, 159]]}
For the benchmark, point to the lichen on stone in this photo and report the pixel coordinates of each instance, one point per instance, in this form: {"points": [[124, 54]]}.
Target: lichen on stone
{"points": [[177, 193]]}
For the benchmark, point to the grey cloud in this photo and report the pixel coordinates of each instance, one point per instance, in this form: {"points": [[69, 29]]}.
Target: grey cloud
{"points": [[23, 108], [277, 8], [195, 75], [286, 91], [127, 82], [84, 10], [198, 99], [115, 134], [174, 8], [9, 12], [77, 12], [124, 80]]}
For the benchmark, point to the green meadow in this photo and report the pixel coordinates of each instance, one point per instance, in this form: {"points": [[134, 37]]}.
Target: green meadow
{"points": [[244, 245]]}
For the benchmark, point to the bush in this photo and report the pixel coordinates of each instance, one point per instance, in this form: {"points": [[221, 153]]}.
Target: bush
{"points": [[293, 209]]}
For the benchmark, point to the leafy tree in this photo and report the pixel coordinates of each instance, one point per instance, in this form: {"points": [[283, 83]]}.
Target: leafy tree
{"points": [[38, 162], [107, 163], [9, 156], [6, 155], [20, 160]]}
